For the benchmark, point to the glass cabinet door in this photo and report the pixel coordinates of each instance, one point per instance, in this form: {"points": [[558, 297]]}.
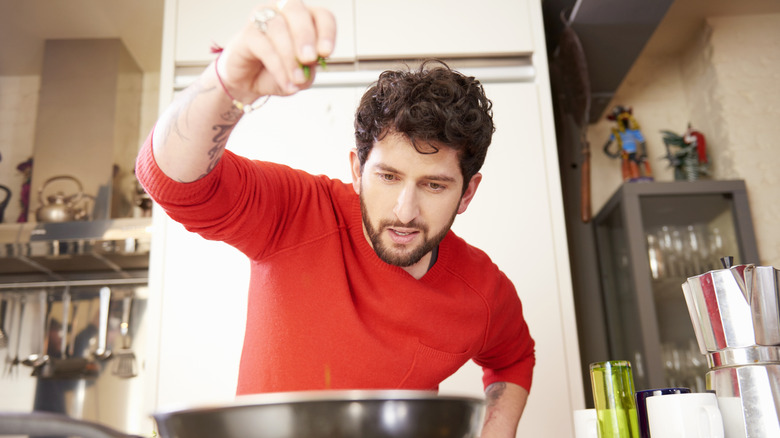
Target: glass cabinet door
{"points": [[650, 238], [686, 235]]}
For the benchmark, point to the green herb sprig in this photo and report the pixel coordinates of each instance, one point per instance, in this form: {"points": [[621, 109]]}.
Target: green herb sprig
{"points": [[307, 69]]}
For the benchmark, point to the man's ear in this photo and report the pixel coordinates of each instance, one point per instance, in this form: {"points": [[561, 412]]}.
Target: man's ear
{"points": [[468, 195], [354, 162]]}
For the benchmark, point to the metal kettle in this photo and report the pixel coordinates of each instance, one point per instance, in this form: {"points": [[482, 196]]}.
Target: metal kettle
{"points": [[738, 306], [736, 317], [60, 207]]}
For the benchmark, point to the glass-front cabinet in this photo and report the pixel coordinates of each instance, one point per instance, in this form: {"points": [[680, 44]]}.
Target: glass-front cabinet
{"points": [[650, 238]]}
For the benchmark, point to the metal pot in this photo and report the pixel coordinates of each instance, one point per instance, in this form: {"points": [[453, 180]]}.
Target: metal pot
{"points": [[358, 414], [60, 207]]}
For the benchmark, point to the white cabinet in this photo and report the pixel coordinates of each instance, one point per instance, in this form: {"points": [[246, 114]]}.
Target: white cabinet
{"points": [[510, 218], [200, 24], [373, 29], [443, 28]]}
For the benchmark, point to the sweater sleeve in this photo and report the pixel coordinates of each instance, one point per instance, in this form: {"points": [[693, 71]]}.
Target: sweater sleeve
{"points": [[251, 205], [508, 354]]}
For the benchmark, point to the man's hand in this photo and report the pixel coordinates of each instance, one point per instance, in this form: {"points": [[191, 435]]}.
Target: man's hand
{"points": [[505, 404], [267, 57], [269, 54]]}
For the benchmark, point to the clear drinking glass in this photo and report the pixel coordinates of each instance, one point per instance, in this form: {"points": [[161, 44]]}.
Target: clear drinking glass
{"points": [[613, 396]]}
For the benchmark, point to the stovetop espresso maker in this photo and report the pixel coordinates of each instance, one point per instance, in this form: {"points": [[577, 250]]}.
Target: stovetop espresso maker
{"points": [[735, 313]]}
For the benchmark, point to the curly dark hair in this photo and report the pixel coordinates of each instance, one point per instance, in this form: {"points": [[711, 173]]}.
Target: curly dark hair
{"points": [[431, 104]]}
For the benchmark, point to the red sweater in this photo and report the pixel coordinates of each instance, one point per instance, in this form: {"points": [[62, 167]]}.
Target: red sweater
{"points": [[323, 310]]}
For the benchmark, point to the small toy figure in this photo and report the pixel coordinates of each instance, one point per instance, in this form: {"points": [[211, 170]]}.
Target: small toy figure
{"points": [[631, 143], [690, 159]]}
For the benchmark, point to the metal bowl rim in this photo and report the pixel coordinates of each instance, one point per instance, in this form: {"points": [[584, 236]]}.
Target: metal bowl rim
{"points": [[276, 398]]}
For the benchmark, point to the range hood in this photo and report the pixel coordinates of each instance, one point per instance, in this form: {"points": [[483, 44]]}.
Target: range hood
{"points": [[115, 248], [86, 139]]}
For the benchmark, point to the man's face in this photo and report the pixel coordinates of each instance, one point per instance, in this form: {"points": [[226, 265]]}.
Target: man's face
{"points": [[409, 200]]}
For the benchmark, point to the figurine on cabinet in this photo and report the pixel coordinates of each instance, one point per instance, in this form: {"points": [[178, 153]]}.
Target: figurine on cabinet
{"points": [[632, 149], [690, 159]]}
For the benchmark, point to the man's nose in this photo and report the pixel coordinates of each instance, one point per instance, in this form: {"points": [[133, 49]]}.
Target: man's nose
{"points": [[407, 207]]}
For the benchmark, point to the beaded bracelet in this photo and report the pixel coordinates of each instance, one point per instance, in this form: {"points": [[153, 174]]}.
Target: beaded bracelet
{"points": [[246, 108]]}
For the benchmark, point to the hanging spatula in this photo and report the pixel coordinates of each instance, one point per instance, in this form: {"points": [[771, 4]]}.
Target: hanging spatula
{"points": [[124, 359]]}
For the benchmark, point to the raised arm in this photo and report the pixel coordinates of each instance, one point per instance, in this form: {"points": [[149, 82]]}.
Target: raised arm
{"points": [[267, 57]]}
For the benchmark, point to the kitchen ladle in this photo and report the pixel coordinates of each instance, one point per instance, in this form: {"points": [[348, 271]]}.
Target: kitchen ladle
{"points": [[65, 320], [36, 360], [102, 351]]}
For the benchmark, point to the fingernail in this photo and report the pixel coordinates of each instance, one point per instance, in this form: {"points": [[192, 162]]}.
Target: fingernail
{"points": [[325, 47], [308, 54], [299, 76], [292, 88]]}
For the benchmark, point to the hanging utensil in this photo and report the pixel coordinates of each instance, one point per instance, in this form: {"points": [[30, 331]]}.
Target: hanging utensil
{"points": [[37, 360], [577, 99], [124, 362], [65, 319], [70, 331], [8, 355], [3, 334], [15, 363], [102, 351]]}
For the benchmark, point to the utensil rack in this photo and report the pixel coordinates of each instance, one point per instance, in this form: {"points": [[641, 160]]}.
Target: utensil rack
{"points": [[37, 285]]}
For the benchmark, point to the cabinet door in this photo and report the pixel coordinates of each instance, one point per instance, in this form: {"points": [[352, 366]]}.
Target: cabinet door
{"points": [[650, 238], [413, 28], [203, 23], [511, 219]]}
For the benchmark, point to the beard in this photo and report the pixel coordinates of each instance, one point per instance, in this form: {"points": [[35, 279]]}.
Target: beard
{"points": [[395, 254]]}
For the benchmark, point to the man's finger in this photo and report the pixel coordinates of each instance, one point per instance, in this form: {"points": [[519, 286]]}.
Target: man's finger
{"points": [[325, 25]]}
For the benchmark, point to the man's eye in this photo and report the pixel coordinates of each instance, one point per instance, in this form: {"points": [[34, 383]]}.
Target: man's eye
{"points": [[387, 177], [435, 186]]}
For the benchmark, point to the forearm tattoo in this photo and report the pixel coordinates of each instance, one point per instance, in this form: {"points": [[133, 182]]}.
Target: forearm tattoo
{"points": [[229, 119], [185, 101], [494, 392], [219, 141]]}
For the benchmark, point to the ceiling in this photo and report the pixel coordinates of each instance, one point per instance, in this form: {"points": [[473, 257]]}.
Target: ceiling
{"points": [[614, 33], [658, 27], [26, 24], [686, 17]]}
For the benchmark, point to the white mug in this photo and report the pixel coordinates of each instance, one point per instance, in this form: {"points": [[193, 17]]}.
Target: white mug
{"points": [[694, 415], [586, 424]]}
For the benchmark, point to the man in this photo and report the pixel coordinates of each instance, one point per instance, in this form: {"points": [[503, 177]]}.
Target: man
{"points": [[353, 286]]}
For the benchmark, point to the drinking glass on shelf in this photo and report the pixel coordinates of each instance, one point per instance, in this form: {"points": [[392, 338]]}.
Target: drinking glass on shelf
{"points": [[668, 251], [657, 268]]}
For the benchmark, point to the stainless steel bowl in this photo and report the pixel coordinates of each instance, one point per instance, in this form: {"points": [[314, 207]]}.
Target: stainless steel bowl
{"points": [[329, 414], [344, 414]]}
